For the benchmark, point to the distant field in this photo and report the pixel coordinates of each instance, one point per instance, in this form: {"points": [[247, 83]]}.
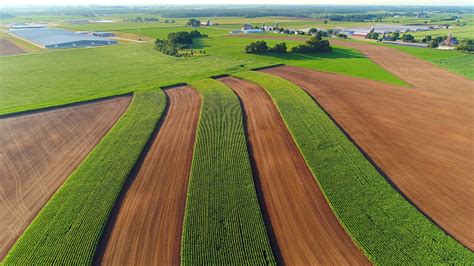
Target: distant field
{"points": [[465, 32], [78, 74], [342, 60], [455, 61]]}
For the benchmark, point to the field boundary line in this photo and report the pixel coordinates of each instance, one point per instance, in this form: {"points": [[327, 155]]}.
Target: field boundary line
{"points": [[66, 105]]}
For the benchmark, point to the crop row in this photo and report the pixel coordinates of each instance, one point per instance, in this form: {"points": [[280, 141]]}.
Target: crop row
{"points": [[386, 227], [69, 227], [223, 224]]}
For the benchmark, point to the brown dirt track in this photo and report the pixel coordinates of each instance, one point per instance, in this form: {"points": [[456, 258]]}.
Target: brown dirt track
{"points": [[146, 229], [9, 48], [422, 138], [305, 229], [38, 151]]}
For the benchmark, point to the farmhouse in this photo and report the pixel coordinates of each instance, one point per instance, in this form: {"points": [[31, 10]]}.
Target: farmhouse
{"points": [[56, 38]]}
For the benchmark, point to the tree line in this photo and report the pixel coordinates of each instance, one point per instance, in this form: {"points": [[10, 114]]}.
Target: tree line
{"points": [[177, 41], [313, 45]]}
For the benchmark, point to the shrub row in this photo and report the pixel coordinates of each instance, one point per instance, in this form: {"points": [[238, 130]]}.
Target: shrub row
{"points": [[69, 227], [386, 227], [223, 224]]}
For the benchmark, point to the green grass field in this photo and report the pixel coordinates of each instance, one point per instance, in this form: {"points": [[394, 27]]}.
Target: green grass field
{"points": [[59, 77], [386, 226], [68, 229], [342, 60], [223, 222], [74, 75]]}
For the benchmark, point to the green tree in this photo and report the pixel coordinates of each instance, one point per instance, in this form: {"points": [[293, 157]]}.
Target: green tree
{"points": [[193, 23]]}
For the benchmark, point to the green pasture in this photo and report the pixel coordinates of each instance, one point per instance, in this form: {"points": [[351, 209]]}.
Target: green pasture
{"points": [[68, 229], [64, 76], [342, 60], [222, 221], [386, 227], [73, 75]]}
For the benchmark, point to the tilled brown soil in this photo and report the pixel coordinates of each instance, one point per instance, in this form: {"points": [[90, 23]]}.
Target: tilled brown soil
{"points": [[304, 227], [38, 151], [422, 138], [9, 48], [146, 229]]}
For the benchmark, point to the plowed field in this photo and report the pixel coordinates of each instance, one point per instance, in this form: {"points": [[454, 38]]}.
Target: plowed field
{"points": [[421, 138], [38, 151], [9, 48], [304, 227], [146, 229]]}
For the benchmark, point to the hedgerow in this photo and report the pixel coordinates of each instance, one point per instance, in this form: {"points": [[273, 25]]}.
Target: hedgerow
{"points": [[69, 227], [386, 226], [223, 224]]}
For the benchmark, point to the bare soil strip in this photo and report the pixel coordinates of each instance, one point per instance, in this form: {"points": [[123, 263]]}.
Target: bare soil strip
{"points": [[9, 48], [147, 227], [306, 230], [39, 150], [421, 139]]}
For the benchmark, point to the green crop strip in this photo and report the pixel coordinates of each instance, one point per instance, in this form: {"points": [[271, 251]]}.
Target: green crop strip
{"points": [[387, 227], [223, 224], [69, 227]]}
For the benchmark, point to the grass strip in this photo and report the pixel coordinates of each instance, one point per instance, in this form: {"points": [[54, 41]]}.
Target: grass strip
{"points": [[69, 227], [223, 224], [387, 228]]}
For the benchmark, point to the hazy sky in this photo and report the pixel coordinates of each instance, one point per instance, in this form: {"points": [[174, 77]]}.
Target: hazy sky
{"points": [[322, 2]]}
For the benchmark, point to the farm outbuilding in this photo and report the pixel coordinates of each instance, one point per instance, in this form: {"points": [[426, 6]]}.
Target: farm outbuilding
{"points": [[103, 34], [56, 38]]}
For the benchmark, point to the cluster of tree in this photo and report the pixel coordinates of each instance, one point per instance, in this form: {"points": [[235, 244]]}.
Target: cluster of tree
{"points": [[433, 42], [146, 19], [260, 47], [358, 17], [373, 35], [177, 41], [342, 36], [320, 33], [466, 46], [313, 45], [193, 23], [408, 38]]}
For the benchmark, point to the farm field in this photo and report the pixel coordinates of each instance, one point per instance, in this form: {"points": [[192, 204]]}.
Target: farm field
{"points": [[305, 229], [173, 148], [223, 222], [81, 74], [39, 151], [9, 48], [69, 227], [418, 154], [160, 187], [461, 63], [370, 209]]}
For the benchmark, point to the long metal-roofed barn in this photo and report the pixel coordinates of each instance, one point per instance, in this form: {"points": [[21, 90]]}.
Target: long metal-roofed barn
{"points": [[57, 38]]}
